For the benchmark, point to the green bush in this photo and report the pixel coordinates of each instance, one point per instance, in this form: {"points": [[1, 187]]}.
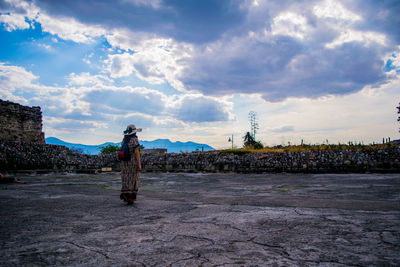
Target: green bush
{"points": [[109, 149], [258, 145]]}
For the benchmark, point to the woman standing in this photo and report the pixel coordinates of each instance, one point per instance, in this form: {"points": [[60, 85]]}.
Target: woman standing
{"points": [[130, 170]]}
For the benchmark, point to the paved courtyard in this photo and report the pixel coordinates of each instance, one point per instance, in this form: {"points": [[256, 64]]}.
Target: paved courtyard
{"points": [[202, 220]]}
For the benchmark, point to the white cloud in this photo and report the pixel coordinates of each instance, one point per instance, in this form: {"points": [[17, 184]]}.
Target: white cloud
{"points": [[170, 123], [70, 125], [155, 61], [148, 3], [21, 84], [69, 28], [126, 39], [287, 51], [344, 22], [46, 47], [333, 9], [88, 103], [366, 38], [251, 62], [14, 22], [198, 108], [283, 129], [367, 115], [290, 24], [88, 97], [64, 27], [87, 61], [120, 65], [87, 79], [13, 77], [255, 3]]}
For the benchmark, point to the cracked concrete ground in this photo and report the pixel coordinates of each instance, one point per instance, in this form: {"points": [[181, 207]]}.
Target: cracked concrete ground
{"points": [[202, 220]]}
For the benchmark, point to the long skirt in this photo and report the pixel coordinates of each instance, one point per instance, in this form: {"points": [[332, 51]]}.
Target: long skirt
{"points": [[130, 180]]}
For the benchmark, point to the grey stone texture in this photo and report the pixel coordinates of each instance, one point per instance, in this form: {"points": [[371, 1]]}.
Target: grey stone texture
{"points": [[17, 156], [328, 161], [183, 219], [20, 123]]}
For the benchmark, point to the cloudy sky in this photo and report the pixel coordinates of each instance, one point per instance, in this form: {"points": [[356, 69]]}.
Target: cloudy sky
{"points": [[193, 70]]}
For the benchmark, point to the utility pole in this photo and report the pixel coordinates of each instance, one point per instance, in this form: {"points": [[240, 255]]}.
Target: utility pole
{"points": [[231, 140], [398, 111], [253, 124]]}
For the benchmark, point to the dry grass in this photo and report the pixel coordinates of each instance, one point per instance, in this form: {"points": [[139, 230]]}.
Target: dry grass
{"points": [[306, 148]]}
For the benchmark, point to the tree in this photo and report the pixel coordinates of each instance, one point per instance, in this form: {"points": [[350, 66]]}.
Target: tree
{"points": [[248, 140], [109, 149]]}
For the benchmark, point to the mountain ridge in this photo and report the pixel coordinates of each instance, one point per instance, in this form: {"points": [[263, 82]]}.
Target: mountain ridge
{"points": [[172, 147]]}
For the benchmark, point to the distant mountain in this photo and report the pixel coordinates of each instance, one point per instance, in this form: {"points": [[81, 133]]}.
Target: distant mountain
{"points": [[175, 147], [86, 149], [172, 147]]}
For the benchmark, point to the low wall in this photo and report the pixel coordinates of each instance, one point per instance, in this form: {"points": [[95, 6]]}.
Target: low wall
{"points": [[374, 160], [31, 156]]}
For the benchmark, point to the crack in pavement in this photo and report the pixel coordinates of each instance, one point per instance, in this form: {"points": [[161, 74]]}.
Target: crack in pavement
{"points": [[90, 249], [185, 259], [279, 249], [192, 237], [332, 227]]}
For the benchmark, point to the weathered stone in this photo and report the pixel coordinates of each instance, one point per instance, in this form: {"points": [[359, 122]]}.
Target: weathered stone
{"points": [[31, 156], [20, 123]]}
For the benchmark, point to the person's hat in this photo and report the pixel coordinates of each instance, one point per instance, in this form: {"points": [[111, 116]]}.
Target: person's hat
{"points": [[131, 129]]}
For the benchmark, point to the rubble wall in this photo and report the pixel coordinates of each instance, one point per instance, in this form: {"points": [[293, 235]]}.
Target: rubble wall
{"points": [[31, 156], [20, 123], [16, 155]]}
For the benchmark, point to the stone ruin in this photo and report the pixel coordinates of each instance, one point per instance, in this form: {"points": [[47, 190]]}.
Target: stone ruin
{"points": [[20, 123], [22, 147]]}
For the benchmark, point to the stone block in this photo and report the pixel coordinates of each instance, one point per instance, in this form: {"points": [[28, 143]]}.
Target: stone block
{"points": [[20, 123]]}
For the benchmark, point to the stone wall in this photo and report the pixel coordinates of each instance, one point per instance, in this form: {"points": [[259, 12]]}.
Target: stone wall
{"points": [[20, 123], [16, 155], [30, 156], [368, 160]]}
